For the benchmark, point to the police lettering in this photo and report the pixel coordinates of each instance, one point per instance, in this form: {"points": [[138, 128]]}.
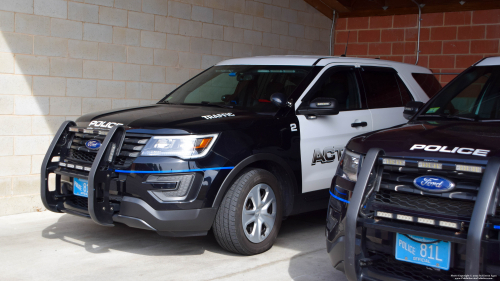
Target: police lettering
{"points": [[104, 124], [444, 149]]}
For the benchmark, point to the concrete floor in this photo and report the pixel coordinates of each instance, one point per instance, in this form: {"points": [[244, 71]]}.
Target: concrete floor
{"points": [[50, 246]]}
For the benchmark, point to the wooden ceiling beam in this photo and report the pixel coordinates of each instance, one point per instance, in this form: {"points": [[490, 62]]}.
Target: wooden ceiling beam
{"points": [[321, 7], [337, 6]]}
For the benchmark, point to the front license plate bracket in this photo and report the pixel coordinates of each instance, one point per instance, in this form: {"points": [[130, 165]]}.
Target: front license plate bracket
{"points": [[424, 251]]}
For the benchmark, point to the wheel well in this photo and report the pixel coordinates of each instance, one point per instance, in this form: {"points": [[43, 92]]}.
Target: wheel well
{"points": [[287, 185]]}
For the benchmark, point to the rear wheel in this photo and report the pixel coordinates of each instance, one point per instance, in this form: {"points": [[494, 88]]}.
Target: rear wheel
{"points": [[250, 214]]}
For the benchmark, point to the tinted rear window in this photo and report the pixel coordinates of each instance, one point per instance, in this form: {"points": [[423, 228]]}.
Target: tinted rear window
{"points": [[428, 83]]}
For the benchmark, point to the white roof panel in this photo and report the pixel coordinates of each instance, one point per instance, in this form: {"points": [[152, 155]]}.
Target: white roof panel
{"points": [[272, 60], [318, 60], [489, 61]]}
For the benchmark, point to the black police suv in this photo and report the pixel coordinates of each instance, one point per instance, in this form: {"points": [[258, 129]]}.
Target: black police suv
{"points": [[420, 201], [235, 149]]}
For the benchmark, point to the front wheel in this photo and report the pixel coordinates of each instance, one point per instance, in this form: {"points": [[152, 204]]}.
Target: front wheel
{"points": [[250, 215]]}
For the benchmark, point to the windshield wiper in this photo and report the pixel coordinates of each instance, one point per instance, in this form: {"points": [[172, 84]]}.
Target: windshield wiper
{"points": [[207, 103], [449, 116], [165, 102]]}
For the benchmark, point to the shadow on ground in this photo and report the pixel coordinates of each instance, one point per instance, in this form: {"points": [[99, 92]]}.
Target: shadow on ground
{"points": [[301, 237]]}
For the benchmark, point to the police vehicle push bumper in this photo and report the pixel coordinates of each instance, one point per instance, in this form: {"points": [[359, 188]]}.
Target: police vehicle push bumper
{"points": [[348, 225], [100, 205]]}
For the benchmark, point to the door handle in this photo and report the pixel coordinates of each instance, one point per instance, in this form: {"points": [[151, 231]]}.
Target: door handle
{"points": [[359, 124]]}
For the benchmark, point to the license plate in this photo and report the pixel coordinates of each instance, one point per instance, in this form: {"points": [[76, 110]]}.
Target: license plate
{"points": [[81, 187], [429, 254]]}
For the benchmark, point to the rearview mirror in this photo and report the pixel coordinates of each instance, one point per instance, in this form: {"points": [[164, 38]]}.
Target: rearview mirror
{"points": [[411, 109], [320, 106], [278, 99]]}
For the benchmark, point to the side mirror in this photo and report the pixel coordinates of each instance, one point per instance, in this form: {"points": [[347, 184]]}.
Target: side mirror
{"points": [[411, 109], [320, 106], [278, 99]]}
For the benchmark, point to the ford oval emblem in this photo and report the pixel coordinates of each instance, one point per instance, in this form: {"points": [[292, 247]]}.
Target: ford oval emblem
{"points": [[434, 184], [93, 144]]}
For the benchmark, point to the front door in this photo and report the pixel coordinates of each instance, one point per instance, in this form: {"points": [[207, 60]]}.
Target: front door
{"points": [[323, 139]]}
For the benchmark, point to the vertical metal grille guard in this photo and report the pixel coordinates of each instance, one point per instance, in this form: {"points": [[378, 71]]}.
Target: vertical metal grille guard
{"points": [[100, 176], [49, 197], [482, 208], [351, 264]]}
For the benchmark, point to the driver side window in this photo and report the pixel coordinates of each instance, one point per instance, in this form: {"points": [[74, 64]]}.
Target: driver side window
{"points": [[340, 84]]}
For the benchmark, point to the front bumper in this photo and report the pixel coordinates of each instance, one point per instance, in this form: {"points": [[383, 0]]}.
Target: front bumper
{"points": [[136, 213], [363, 247], [129, 197]]}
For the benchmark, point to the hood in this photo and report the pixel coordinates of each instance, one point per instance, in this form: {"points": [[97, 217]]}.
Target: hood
{"points": [[173, 119], [455, 141]]}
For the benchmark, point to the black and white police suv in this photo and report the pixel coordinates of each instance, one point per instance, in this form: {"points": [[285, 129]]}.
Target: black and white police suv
{"points": [[235, 149], [421, 201]]}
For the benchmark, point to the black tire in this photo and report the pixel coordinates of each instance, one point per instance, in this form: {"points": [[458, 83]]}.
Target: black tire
{"points": [[228, 225]]}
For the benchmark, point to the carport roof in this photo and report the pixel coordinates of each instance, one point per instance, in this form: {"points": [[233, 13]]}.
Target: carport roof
{"points": [[365, 8]]}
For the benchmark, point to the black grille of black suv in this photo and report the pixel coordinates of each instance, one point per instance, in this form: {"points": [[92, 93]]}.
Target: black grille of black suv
{"points": [[389, 266], [131, 148], [456, 208], [397, 191]]}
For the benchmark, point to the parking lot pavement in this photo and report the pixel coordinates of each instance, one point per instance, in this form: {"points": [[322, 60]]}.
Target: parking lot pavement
{"points": [[43, 246]]}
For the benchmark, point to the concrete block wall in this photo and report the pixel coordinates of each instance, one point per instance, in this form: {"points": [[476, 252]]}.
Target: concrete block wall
{"points": [[450, 42], [61, 59]]}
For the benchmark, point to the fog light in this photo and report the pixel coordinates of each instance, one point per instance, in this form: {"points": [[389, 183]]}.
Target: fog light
{"points": [[426, 221], [467, 168], [170, 187], [430, 165], [55, 159], [385, 215], [448, 224], [396, 162], [404, 218]]}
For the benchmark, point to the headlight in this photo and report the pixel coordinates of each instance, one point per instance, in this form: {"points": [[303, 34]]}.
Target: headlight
{"points": [[348, 166], [186, 147]]}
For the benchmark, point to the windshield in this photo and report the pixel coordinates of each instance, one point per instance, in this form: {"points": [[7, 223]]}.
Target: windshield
{"points": [[474, 95], [246, 87]]}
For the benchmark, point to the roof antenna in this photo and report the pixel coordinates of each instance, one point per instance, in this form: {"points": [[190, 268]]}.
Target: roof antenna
{"points": [[346, 44]]}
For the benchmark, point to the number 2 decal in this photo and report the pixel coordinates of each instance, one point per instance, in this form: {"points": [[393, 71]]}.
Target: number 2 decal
{"points": [[293, 127]]}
